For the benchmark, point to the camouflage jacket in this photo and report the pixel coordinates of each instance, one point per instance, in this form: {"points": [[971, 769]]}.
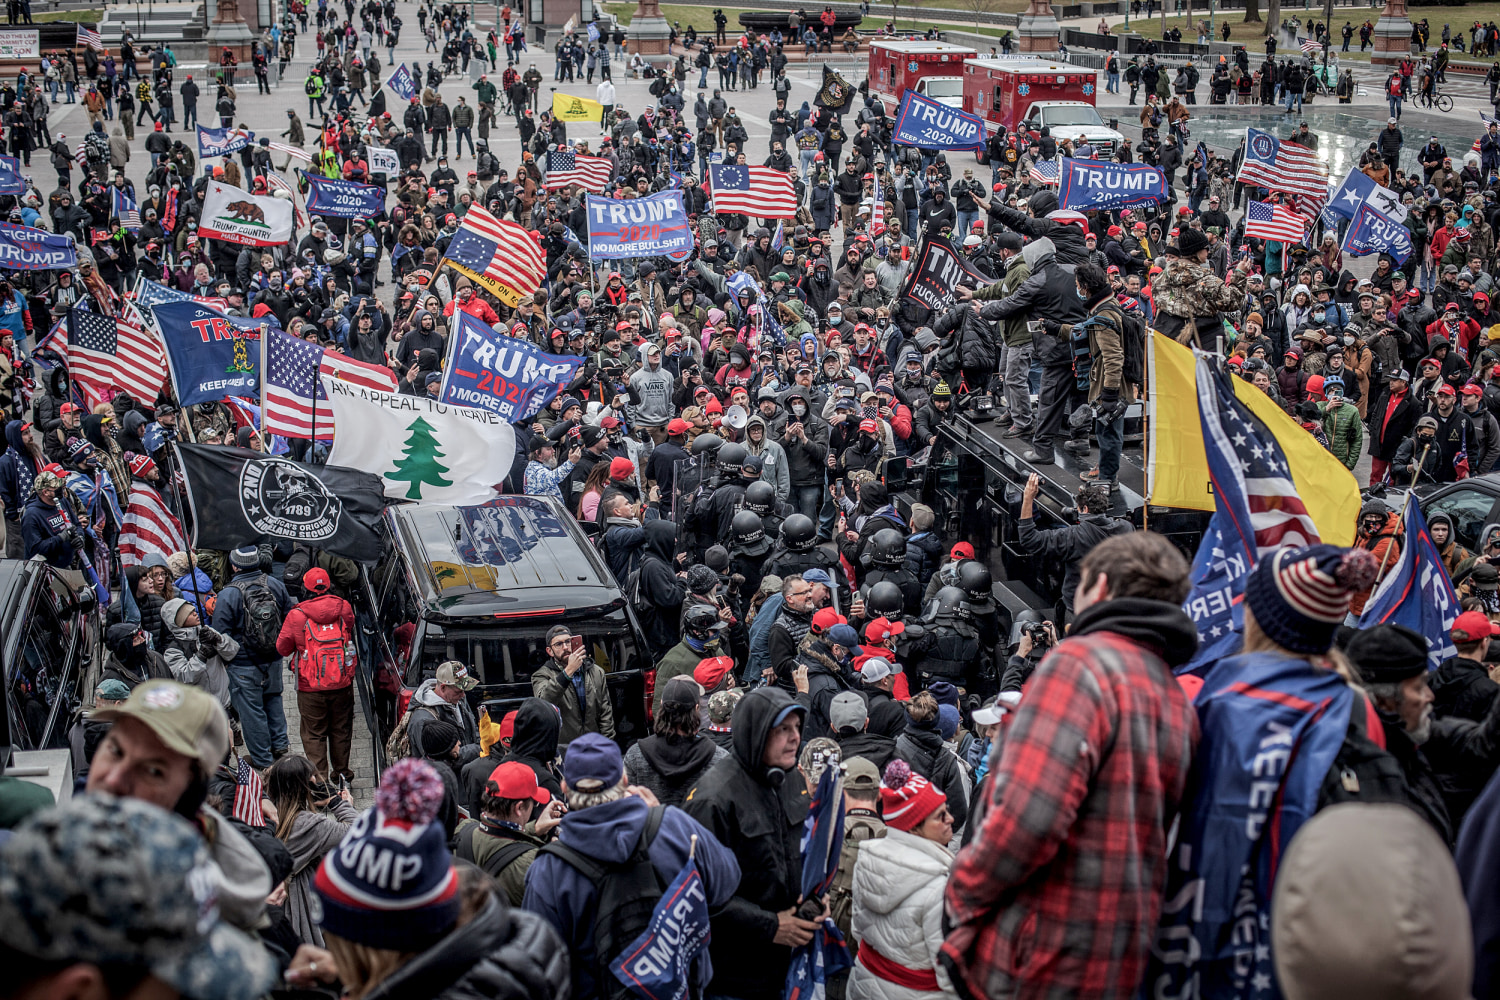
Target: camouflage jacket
{"points": [[1186, 289]]}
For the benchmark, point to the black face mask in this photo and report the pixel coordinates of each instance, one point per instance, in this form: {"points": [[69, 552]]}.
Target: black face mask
{"points": [[1426, 438]]}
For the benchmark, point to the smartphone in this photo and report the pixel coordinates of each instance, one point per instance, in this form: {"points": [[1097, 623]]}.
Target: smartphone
{"points": [[1034, 326], [576, 645]]}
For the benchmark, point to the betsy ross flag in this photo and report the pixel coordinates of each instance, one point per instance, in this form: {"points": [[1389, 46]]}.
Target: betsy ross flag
{"points": [[149, 528], [296, 405], [125, 209], [499, 254], [1265, 221], [763, 192], [1285, 167], [104, 353], [1044, 171], [566, 168], [248, 792], [1310, 44], [89, 39]]}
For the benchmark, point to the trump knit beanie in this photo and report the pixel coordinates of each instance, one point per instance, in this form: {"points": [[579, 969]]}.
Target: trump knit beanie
{"points": [[1300, 595]]}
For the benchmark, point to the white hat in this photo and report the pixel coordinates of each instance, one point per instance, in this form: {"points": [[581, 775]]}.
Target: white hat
{"points": [[876, 669]]}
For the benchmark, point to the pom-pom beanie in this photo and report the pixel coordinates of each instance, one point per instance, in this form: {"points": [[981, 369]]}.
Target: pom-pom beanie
{"points": [[1300, 595], [907, 798]]}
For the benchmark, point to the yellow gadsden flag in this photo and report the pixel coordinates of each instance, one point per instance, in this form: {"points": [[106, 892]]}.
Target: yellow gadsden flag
{"points": [[567, 108], [1177, 470]]}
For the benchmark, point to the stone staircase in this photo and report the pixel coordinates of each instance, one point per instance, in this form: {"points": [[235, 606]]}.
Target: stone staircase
{"points": [[164, 23]]}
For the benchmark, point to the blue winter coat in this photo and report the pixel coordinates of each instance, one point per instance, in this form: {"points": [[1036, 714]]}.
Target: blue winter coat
{"points": [[17, 469], [41, 528], [229, 618]]}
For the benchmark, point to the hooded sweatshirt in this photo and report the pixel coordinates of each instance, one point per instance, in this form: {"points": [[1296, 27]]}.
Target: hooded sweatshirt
{"points": [[559, 894], [650, 394], [775, 470], [757, 812], [17, 469], [661, 589], [201, 664], [671, 765], [428, 707]]}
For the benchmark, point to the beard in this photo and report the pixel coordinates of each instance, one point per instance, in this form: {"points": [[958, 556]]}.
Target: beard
{"points": [[1423, 732]]}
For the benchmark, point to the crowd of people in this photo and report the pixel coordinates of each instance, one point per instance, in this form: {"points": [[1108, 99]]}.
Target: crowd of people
{"points": [[738, 452]]}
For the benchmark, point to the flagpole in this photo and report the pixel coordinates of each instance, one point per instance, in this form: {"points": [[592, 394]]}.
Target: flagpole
{"points": [[265, 441]]}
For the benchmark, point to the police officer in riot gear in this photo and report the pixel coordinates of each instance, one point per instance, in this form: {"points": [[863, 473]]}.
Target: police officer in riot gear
{"points": [[737, 470], [950, 650], [748, 549], [760, 497], [887, 556], [798, 551], [696, 486], [989, 619]]}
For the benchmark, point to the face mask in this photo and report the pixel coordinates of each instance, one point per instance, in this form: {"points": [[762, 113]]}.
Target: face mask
{"points": [[1348, 341], [1317, 315], [799, 410]]}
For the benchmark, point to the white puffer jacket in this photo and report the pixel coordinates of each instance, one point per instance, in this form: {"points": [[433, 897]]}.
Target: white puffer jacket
{"points": [[898, 910]]}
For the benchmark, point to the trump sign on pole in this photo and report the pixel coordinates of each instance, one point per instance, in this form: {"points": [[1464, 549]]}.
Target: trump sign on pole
{"points": [[25, 249], [505, 375], [237, 216], [929, 124], [1087, 184], [656, 225], [343, 199]]}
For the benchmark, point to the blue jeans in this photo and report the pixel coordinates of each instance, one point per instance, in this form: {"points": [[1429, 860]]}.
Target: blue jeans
{"points": [[1294, 97], [806, 500], [459, 135], [965, 220], [703, 77], [261, 717], [1395, 103], [1111, 435], [1113, 86], [189, 115], [911, 222], [69, 85], [805, 165]]}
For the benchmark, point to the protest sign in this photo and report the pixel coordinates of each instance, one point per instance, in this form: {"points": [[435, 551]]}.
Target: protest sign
{"points": [[1096, 184], [936, 271], [653, 226], [933, 125], [505, 375], [343, 199]]}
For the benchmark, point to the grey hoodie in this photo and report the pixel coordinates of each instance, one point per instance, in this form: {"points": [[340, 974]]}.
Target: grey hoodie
{"points": [[775, 470], [186, 658], [653, 389], [426, 706]]}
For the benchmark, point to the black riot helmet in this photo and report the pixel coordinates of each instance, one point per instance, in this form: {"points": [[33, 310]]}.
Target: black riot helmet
{"points": [[760, 497], [975, 581], [888, 549], [706, 444], [798, 533], [747, 534], [884, 600], [731, 457], [949, 605], [702, 622]]}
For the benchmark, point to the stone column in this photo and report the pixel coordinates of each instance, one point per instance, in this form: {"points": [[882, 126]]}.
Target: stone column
{"points": [[1392, 38], [649, 31], [228, 28], [1038, 30]]}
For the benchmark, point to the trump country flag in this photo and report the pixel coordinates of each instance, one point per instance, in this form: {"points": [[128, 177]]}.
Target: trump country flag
{"points": [[1265, 221], [763, 192]]}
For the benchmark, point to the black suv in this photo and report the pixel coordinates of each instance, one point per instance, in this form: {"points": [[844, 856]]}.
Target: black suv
{"points": [[49, 639], [482, 585]]}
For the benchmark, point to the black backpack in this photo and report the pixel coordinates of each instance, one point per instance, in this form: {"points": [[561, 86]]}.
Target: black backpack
{"points": [[1133, 337], [624, 897], [499, 860], [261, 617]]}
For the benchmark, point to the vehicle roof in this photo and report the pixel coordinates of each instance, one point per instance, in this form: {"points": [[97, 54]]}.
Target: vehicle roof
{"points": [[1025, 64], [1061, 104], [511, 555], [901, 45]]}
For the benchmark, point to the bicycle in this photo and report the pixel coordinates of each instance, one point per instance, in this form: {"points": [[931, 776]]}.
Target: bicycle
{"points": [[1443, 102]]}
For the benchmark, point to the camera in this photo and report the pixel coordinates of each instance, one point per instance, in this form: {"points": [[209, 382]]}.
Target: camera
{"points": [[1040, 639]]}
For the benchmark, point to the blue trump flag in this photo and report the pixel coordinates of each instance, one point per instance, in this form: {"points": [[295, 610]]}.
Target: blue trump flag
{"points": [[401, 82], [505, 375], [653, 226], [25, 249], [822, 842], [210, 355], [930, 124], [1087, 184], [1358, 189], [1374, 232], [658, 965], [12, 181], [342, 199], [1416, 591], [221, 141]]}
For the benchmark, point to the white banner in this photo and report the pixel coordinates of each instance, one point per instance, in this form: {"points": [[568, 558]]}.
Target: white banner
{"points": [[20, 44], [383, 160], [237, 216], [424, 450]]}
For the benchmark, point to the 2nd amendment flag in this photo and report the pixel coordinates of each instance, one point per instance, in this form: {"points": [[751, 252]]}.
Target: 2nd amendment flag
{"points": [[242, 497], [567, 108]]}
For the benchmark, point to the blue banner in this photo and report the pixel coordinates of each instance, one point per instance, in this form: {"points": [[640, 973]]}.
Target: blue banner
{"points": [[658, 965], [1086, 184], [822, 843], [12, 181], [505, 375], [25, 249], [210, 355], [1357, 189], [933, 125], [1416, 591], [221, 141], [1374, 232], [343, 199], [653, 226], [400, 81]]}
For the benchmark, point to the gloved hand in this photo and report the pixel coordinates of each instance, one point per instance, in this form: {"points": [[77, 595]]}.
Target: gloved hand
{"points": [[1110, 406], [1052, 326], [74, 537], [208, 639]]}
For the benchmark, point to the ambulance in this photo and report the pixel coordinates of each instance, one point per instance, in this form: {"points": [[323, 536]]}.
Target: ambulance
{"points": [[932, 69], [1024, 94]]}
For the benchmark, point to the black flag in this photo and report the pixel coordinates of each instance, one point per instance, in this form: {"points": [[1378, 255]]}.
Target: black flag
{"points": [[835, 94], [243, 497], [377, 104], [936, 271]]}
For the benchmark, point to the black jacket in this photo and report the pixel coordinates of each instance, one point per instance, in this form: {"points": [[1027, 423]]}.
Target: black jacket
{"points": [[1462, 689], [1068, 545], [968, 339], [922, 748], [662, 590], [826, 679], [1050, 292], [758, 814], [1068, 239], [873, 747]]}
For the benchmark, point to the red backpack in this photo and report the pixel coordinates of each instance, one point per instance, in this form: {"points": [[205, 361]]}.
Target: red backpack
{"points": [[326, 662]]}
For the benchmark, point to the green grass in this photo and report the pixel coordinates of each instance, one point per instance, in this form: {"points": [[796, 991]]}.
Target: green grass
{"points": [[702, 18], [85, 16]]}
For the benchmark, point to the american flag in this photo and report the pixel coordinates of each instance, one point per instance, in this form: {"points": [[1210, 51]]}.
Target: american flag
{"points": [[152, 293], [778, 238], [1310, 44], [1265, 221], [149, 527], [498, 249], [877, 209], [566, 168], [248, 792], [763, 192], [89, 39], [275, 183], [292, 151], [293, 385], [125, 209], [1286, 167], [107, 352], [1044, 171]]}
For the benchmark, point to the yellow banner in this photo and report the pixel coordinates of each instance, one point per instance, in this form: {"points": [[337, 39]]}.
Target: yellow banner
{"points": [[567, 108], [510, 296], [1177, 466]]}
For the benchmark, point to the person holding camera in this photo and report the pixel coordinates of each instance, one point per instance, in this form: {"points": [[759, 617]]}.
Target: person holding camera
{"points": [[574, 684], [1032, 638]]}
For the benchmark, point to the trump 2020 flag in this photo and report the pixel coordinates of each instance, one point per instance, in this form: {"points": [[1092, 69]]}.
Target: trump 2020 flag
{"points": [[401, 82], [423, 449], [658, 965], [1416, 591], [1096, 184], [1374, 232], [822, 842], [1357, 189], [931, 124], [506, 375]]}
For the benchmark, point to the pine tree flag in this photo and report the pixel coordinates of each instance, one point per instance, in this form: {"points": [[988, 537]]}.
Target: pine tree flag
{"points": [[424, 450]]}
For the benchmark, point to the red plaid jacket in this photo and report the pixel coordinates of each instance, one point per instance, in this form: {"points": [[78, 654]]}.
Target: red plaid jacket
{"points": [[1059, 892]]}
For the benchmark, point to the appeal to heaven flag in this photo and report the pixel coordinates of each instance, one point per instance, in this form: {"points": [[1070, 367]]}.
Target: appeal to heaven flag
{"points": [[423, 449]]}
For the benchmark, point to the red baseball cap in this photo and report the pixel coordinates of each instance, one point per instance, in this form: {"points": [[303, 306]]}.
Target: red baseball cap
{"points": [[1470, 389], [1446, 390], [67, 408], [621, 468], [868, 426], [678, 426], [826, 619], [610, 423], [882, 629], [962, 550], [1471, 626], [508, 725], [514, 780], [710, 672]]}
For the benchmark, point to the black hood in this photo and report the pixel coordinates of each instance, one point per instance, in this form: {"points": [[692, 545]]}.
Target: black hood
{"points": [[536, 731], [1041, 204], [57, 383], [677, 758], [661, 539], [1162, 626], [754, 718]]}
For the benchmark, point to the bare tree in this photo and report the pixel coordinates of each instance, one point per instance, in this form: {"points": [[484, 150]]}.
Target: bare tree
{"points": [[980, 7], [1252, 11], [1273, 16]]}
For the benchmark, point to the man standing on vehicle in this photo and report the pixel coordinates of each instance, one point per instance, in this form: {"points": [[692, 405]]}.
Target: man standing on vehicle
{"points": [[319, 636], [250, 610], [575, 685]]}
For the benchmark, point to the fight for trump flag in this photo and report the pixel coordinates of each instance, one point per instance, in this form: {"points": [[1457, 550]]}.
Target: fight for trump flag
{"points": [[214, 142], [343, 199], [1096, 184], [930, 124], [423, 449], [763, 192], [658, 965], [243, 497], [400, 81], [508, 376], [23, 248], [296, 406], [1372, 232], [234, 215], [1416, 591], [211, 355], [937, 270], [501, 255]]}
